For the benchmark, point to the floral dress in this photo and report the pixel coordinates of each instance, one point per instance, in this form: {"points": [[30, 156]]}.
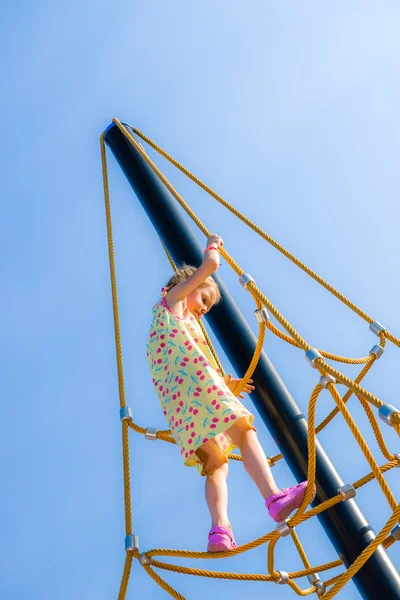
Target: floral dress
{"points": [[196, 402]]}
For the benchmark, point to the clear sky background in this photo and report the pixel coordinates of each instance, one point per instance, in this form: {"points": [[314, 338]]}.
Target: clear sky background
{"points": [[290, 111]]}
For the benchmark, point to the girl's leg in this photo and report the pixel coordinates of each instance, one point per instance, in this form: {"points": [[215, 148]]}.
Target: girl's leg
{"points": [[217, 496], [280, 503], [255, 461]]}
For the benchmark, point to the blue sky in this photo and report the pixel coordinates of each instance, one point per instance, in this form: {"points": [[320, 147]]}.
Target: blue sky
{"points": [[290, 111]]}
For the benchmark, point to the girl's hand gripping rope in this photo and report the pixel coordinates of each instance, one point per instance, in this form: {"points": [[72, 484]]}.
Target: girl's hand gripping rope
{"points": [[232, 384], [214, 242]]}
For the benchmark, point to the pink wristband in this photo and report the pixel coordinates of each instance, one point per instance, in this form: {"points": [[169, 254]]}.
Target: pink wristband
{"points": [[210, 248]]}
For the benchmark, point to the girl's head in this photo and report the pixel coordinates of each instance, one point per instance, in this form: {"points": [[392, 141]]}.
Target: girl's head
{"points": [[203, 298]]}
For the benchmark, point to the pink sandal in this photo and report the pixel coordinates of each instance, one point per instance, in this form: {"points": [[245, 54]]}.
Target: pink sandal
{"points": [[220, 539], [289, 499]]}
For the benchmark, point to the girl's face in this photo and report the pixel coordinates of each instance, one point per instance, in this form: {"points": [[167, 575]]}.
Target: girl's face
{"points": [[201, 300]]}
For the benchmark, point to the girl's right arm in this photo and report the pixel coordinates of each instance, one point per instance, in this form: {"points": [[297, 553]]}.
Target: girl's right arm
{"points": [[209, 265]]}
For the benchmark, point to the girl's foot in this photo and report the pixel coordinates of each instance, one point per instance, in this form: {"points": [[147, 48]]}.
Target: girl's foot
{"points": [[286, 501], [220, 539]]}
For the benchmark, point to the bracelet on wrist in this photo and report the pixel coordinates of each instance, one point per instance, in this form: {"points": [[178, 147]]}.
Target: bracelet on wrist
{"points": [[210, 248]]}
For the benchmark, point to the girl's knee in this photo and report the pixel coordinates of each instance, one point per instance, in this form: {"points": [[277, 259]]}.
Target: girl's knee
{"points": [[250, 434], [240, 435], [220, 470]]}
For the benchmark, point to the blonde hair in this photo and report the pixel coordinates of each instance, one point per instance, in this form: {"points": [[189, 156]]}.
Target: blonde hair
{"points": [[184, 273]]}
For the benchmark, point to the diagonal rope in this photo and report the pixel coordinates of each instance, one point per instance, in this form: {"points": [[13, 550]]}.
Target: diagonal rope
{"points": [[301, 516]]}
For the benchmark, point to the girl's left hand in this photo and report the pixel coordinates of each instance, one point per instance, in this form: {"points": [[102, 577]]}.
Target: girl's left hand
{"points": [[232, 383]]}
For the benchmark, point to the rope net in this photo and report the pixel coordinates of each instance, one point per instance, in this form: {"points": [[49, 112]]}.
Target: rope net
{"points": [[330, 376]]}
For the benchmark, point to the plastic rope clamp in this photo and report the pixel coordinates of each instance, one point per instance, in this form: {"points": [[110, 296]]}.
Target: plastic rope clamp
{"points": [[261, 314], [376, 351], [397, 457], [396, 532], [245, 279], [313, 578], [125, 414], [151, 433], [325, 379], [283, 577], [377, 328], [312, 355], [145, 560], [386, 413], [131, 543], [321, 589], [284, 529], [347, 491]]}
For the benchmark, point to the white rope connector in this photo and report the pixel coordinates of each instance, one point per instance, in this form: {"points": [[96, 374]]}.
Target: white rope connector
{"points": [[283, 577], [131, 543], [315, 581], [151, 434], [311, 357], [145, 560], [376, 351], [245, 279], [284, 529], [377, 328], [347, 491], [261, 314], [386, 413], [313, 578], [325, 379], [125, 413]]}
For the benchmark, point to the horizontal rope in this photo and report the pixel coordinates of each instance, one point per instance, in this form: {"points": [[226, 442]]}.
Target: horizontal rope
{"points": [[295, 339]]}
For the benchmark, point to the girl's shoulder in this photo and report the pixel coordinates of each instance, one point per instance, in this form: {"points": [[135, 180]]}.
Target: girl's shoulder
{"points": [[158, 310], [161, 313]]}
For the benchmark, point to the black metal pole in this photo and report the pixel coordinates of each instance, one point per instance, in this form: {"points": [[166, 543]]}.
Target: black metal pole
{"points": [[345, 525]]}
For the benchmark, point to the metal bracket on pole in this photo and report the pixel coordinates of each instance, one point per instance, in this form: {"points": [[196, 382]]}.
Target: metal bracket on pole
{"points": [[396, 532]]}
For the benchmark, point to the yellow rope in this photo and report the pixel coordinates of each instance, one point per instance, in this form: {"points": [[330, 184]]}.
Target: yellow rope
{"points": [[255, 290], [364, 556], [125, 576], [261, 233], [365, 398]]}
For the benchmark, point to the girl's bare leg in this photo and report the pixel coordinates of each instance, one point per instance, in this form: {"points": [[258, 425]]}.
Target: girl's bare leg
{"points": [[217, 496], [255, 461]]}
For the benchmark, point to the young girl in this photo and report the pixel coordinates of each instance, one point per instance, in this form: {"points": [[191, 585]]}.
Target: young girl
{"points": [[206, 419]]}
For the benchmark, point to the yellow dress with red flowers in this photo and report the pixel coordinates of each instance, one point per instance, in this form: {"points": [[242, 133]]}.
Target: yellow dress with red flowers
{"points": [[200, 409]]}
